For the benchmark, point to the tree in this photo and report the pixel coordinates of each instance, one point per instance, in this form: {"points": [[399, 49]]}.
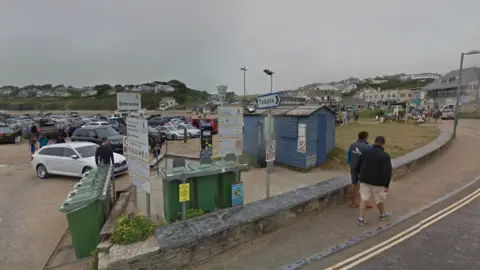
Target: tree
{"points": [[177, 84], [46, 86], [102, 89], [59, 86], [119, 88]]}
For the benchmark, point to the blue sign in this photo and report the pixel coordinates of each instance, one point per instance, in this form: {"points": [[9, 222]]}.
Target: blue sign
{"points": [[268, 101], [237, 194]]}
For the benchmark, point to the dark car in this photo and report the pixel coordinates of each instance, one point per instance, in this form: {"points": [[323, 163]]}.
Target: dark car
{"points": [[95, 135], [7, 134], [156, 121]]}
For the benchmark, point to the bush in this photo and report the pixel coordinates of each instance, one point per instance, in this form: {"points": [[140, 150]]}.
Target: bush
{"points": [[130, 229], [191, 213]]}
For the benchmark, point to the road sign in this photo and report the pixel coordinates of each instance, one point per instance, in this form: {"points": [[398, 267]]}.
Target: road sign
{"points": [[137, 138], [270, 151], [129, 101], [301, 145], [184, 192], [268, 101]]}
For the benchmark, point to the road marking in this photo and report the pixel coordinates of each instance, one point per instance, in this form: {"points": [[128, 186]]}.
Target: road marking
{"points": [[406, 234]]}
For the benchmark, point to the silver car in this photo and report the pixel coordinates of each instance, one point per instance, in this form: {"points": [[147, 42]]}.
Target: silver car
{"points": [[172, 132], [192, 131]]}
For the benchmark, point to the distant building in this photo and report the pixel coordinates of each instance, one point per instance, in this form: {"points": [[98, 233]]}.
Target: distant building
{"points": [[292, 101], [89, 93], [424, 76], [39, 94], [163, 88], [168, 102], [23, 93], [60, 93]]}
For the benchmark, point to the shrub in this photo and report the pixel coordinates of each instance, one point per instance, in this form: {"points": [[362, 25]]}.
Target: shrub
{"points": [[131, 229]]}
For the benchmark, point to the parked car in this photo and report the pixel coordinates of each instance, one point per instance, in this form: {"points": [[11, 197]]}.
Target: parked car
{"points": [[97, 123], [7, 134], [153, 132], [448, 114], [71, 159], [193, 132], [95, 134], [172, 132], [156, 121], [115, 124], [196, 122]]}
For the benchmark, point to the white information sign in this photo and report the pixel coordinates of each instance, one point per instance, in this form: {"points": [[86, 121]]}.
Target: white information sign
{"points": [[137, 138], [140, 182], [139, 168], [268, 101], [270, 151], [302, 130], [230, 130], [129, 101]]}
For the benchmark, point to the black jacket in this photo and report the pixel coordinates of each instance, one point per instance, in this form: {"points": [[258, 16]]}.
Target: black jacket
{"points": [[104, 154], [376, 167]]}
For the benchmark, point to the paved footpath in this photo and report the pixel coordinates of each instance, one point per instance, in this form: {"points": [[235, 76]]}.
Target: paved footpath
{"points": [[454, 168]]}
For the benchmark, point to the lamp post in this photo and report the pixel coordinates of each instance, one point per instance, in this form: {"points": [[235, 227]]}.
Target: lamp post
{"points": [[244, 69], [459, 88], [269, 132]]}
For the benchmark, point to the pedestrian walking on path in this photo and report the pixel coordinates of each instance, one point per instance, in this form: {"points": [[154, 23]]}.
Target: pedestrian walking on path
{"points": [[354, 154], [375, 176]]}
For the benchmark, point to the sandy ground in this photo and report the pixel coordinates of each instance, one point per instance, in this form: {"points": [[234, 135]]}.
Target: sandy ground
{"points": [[30, 222]]}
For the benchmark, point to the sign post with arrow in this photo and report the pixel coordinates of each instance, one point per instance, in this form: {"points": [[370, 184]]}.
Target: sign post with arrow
{"points": [[268, 101]]}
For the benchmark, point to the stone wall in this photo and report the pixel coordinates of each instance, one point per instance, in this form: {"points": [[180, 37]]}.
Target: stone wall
{"points": [[190, 242]]}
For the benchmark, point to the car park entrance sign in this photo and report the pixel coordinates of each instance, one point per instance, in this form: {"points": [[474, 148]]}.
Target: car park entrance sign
{"points": [[129, 101], [268, 101]]}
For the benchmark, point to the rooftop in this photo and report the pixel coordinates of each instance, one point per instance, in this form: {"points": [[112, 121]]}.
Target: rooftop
{"points": [[450, 80]]}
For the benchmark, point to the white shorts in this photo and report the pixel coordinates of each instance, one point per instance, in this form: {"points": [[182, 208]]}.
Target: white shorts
{"points": [[378, 193]]}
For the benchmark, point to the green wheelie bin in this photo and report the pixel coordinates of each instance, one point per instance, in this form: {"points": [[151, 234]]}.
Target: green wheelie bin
{"points": [[171, 179], [205, 186], [227, 177], [85, 221]]}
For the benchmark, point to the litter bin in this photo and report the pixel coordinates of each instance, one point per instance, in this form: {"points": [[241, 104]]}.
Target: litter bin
{"points": [[85, 220], [205, 186], [171, 179], [227, 177]]}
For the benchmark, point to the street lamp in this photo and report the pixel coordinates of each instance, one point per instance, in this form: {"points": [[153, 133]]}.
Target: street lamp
{"points": [[270, 73], [457, 102], [244, 69]]}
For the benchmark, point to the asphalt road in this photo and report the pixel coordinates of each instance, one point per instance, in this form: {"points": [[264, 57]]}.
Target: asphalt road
{"points": [[451, 242]]}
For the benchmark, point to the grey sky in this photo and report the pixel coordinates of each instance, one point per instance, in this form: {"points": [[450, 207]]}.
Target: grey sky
{"points": [[205, 42]]}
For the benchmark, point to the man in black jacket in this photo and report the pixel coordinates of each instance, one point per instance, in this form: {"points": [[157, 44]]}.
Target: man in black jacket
{"points": [[375, 175], [104, 153]]}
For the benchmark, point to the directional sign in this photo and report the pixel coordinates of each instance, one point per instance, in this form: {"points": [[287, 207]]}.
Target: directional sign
{"points": [[270, 151], [268, 101]]}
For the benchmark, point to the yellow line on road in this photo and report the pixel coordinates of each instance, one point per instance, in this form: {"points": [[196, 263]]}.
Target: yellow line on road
{"points": [[375, 250]]}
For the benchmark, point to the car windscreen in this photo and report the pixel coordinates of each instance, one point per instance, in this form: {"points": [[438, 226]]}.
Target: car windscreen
{"points": [[5, 130], [188, 126], [171, 128], [87, 151], [113, 122], [106, 132]]}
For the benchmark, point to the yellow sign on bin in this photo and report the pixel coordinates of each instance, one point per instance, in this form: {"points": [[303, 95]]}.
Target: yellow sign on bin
{"points": [[184, 192]]}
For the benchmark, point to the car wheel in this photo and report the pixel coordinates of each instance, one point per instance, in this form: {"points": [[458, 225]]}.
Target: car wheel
{"points": [[86, 169], [174, 137], [42, 171]]}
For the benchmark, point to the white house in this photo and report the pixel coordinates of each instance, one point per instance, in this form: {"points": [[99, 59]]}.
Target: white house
{"points": [[39, 94], [168, 102], [111, 92], [23, 93], [424, 76], [6, 91], [163, 88], [60, 93], [147, 88], [89, 93]]}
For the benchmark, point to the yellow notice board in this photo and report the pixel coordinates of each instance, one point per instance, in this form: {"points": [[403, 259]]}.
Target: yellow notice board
{"points": [[184, 192]]}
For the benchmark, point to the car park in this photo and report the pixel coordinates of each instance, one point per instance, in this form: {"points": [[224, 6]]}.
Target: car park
{"points": [[156, 121], [71, 159], [172, 132], [95, 134], [191, 130]]}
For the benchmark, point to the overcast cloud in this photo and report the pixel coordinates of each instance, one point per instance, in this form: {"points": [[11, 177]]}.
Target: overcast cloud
{"points": [[205, 42]]}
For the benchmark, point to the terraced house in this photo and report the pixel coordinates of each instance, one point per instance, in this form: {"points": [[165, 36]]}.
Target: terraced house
{"points": [[442, 91]]}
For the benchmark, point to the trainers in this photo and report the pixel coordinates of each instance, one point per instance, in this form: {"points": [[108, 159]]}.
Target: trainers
{"points": [[385, 215], [361, 221]]}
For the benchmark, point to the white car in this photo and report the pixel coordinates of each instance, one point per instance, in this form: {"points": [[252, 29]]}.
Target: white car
{"points": [[97, 124], [71, 159]]}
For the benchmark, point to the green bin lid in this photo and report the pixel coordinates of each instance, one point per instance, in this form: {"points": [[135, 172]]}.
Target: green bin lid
{"points": [[96, 190], [202, 167], [78, 201]]}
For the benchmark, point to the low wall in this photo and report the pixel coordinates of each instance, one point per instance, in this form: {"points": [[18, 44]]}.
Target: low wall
{"points": [[190, 242]]}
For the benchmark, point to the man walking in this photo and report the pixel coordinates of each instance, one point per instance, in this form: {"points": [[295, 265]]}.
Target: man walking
{"points": [[354, 154], [104, 153], [375, 176]]}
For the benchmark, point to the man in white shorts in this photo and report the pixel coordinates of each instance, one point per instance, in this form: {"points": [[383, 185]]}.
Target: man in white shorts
{"points": [[375, 176]]}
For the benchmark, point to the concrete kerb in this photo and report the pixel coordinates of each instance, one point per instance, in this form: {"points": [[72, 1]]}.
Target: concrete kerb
{"points": [[192, 241]]}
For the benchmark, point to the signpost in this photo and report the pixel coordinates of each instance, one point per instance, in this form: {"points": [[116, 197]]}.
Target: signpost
{"points": [[139, 157], [129, 101], [268, 101]]}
